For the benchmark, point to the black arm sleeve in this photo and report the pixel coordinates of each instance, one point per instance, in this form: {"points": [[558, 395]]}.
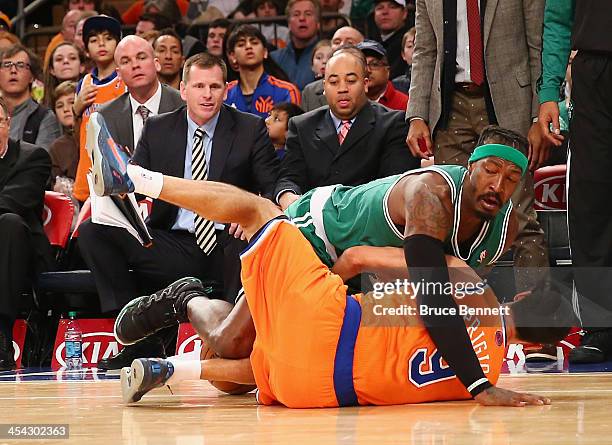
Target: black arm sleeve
{"points": [[425, 258]]}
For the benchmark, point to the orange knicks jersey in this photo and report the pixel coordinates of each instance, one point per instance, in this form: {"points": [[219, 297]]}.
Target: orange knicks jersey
{"points": [[106, 92], [317, 347]]}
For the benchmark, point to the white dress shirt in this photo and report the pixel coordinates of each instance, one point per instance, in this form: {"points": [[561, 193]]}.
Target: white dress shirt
{"points": [[463, 43], [152, 105]]}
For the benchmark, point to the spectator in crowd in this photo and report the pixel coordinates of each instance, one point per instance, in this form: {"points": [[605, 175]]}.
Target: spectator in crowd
{"points": [[236, 150], [24, 248], [173, 10], [312, 95], [331, 25], [350, 142], [215, 37], [256, 91], [145, 96], [30, 121], [277, 124], [78, 34], [390, 19], [64, 150], [320, 55], [150, 36], [83, 5], [380, 88], [65, 63], [276, 34], [66, 34], [402, 83], [7, 39], [151, 22], [295, 58], [582, 26], [169, 51], [458, 88], [101, 35]]}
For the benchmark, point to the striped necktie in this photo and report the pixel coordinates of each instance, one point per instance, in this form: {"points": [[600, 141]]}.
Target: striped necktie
{"points": [[204, 228], [344, 129]]}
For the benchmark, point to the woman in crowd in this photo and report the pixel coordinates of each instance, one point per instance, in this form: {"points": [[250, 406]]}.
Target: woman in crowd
{"points": [[66, 63]]}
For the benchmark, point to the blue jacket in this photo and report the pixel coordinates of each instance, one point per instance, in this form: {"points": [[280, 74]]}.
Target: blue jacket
{"points": [[300, 73], [269, 92]]}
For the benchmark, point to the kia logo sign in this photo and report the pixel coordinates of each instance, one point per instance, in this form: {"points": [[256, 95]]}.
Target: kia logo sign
{"points": [[17, 351], [550, 193], [193, 343], [47, 215], [94, 350]]}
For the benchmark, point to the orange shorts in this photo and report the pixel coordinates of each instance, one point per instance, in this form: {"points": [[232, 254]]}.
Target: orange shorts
{"points": [[298, 307]]}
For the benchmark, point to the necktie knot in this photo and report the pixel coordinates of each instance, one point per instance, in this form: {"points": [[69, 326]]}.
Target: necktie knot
{"points": [[143, 112]]}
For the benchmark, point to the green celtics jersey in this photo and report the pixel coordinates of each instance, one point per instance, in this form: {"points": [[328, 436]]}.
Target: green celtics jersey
{"points": [[335, 217]]}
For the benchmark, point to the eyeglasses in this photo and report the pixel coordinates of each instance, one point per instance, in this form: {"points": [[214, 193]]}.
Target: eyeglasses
{"points": [[19, 66], [376, 64]]}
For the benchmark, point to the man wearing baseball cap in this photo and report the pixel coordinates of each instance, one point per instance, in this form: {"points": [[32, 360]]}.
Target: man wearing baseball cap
{"points": [[390, 18], [380, 88]]}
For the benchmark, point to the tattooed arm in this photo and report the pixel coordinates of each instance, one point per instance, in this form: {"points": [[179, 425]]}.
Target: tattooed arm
{"points": [[429, 216]]}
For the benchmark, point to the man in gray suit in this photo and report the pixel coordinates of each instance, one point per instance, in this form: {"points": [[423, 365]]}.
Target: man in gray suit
{"points": [[126, 115], [312, 96], [476, 63]]}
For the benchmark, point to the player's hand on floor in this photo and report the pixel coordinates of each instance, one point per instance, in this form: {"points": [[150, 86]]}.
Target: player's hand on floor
{"points": [[495, 396]]}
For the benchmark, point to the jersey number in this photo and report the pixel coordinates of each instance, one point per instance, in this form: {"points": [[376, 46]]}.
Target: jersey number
{"points": [[424, 369]]}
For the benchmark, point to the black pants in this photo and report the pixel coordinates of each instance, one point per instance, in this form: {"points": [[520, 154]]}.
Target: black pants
{"points": [[110, 253], [590, 187], [16, 258]]}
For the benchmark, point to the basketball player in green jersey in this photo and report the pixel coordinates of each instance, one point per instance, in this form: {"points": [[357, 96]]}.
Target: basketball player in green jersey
{"points": [[466, 212]]}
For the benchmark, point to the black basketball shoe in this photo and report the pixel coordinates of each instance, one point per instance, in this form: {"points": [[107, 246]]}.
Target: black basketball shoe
{"points": [[148, 314], [595, 347]]}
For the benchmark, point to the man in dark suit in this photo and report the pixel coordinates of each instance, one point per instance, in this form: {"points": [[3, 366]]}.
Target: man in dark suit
{"points": [[24, 249], [350, 142], [203, 137], [145, 97]]}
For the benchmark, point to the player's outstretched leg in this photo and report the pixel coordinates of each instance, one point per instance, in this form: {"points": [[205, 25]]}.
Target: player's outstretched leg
{"points": [[144, 316]]}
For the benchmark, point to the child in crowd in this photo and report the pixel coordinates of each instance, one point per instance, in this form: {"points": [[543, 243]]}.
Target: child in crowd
{"points": [[402, 83], [64, 151], [258, 88], [320, 55], [101, 34], [277, 123], [65, 63]]}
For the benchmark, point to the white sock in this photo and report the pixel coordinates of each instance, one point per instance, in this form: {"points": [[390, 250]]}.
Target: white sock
{"points": [[183, 370], [146, 182]]}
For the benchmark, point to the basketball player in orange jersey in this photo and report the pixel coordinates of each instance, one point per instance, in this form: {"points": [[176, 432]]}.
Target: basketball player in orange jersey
{"points": [[101, 34], [314, 346]]}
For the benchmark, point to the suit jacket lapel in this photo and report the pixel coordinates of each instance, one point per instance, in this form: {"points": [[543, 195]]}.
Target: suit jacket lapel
{"points": [[125, 128], [326, 132], [364, 122], [221, 144], [490, 7], [176, 159]]}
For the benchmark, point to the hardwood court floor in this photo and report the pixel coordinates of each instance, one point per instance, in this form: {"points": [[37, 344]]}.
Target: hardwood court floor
{"points": [[198, 414]]}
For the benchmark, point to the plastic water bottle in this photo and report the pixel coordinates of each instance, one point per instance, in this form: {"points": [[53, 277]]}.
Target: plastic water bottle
{"points": [[73, 341]]}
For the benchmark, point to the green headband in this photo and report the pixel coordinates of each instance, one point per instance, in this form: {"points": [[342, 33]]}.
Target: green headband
{"points": [[500, 151]]}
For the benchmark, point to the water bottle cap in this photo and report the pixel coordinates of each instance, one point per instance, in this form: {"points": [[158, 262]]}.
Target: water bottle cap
{"points": [[72, 314]]}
